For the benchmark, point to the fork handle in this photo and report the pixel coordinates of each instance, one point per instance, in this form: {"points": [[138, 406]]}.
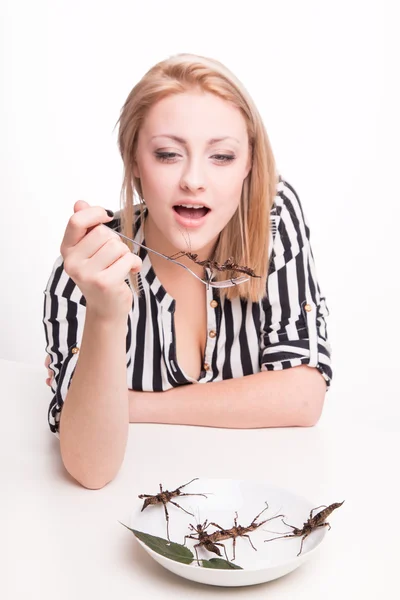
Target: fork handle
{"points": [[163, 256]]}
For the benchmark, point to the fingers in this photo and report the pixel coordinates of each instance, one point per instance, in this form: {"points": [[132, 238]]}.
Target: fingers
{"points": [[108, 254], [98, 250], [83, 219], [112, 275], [50, 373], [80, 205], [98, 261], [93, 241]]}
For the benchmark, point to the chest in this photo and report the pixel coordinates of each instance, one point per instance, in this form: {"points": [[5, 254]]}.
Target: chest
{"points": [[190, 324]]}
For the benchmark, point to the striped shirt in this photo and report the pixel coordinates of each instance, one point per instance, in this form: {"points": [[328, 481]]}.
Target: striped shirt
{"points": [[286, 328]]}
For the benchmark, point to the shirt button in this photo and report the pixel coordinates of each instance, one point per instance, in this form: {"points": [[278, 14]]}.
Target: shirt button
{"points": [[212, 333], [214, 303], [75, 350], [206, 367], [307, 308]]}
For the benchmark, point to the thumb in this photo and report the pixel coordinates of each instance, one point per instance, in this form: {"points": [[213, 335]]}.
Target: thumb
{"points": [[80, 205]]}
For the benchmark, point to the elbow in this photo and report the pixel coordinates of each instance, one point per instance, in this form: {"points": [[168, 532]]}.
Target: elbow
{"points": [[85, 473], [311, 410], [94, 485], [312, 399], [86, 479], [86, 465], [311, 421]]}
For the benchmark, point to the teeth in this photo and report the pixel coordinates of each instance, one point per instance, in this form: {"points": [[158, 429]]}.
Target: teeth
{"points": [[191, 205]]}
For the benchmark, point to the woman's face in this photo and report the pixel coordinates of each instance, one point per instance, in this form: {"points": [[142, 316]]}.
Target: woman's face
{"points": [[193, 150]]}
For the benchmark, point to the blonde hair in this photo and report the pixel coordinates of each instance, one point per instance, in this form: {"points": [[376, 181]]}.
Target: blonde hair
{"points": [[246, 236]]}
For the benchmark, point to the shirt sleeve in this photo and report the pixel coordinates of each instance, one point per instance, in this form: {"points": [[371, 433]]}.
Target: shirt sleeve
{"points": [[294, 331], [64, 312]]}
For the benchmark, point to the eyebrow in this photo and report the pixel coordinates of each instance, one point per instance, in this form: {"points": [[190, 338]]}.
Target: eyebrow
{"points": [[184, 142]]}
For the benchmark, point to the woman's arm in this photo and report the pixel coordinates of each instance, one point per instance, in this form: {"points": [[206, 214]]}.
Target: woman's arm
{"points": [[288, 398], [95, 415], [85, 317]]}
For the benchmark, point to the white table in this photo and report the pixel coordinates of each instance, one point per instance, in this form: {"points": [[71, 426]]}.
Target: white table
{"points": [[61, 541]]}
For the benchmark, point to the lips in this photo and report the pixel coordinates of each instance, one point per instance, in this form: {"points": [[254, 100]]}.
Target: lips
{"points": [[188, 216], [191, 213]]}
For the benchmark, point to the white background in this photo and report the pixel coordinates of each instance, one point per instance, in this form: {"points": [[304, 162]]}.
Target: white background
{"points": [[324, 78]]}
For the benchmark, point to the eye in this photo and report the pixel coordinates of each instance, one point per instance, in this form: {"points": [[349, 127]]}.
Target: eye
{"points": [[170, 157], [224, 158], [166, 156]]}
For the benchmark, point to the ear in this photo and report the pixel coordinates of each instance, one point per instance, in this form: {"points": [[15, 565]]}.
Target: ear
{"points": [[249, 163], [248, 168], [136, 170]]}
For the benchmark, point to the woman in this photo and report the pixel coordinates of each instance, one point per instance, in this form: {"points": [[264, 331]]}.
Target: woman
{"points": [[127, 334]]}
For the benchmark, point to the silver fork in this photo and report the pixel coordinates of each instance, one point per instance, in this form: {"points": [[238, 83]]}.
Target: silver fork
{"points": [[208, 282]]}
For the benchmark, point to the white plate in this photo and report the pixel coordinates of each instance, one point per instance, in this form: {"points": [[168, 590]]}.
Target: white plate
{"points": [[248, 498]]}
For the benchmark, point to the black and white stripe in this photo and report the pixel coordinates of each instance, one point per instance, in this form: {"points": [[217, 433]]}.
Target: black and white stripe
{"points": [[286, 328]]}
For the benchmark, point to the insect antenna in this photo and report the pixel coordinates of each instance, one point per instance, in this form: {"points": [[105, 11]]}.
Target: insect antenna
{"points": [[181, 253], [186, 239], [278, 532]]}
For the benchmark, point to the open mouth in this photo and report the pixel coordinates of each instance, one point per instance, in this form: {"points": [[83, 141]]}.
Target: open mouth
{"points": [[191, 212]]}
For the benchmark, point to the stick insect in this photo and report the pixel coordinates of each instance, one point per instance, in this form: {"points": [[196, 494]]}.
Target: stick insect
{"points": [[228, 265], [312, 523], [211, 541], [164, 496]]}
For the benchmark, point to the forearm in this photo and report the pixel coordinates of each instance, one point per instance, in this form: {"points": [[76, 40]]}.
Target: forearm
{"points": [[95, 416], [293, 397]]}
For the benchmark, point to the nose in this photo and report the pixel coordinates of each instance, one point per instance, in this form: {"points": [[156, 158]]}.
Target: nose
{"points": [[193, 177]]}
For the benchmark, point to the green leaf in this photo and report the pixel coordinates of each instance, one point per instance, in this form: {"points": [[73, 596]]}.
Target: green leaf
{"points": [[219, 563], [171, 550]]}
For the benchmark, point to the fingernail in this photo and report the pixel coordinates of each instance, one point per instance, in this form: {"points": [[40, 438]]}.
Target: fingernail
{"points": [[109, 212]]}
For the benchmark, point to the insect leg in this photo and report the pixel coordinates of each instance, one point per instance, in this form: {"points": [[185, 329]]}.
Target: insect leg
{"points": [[270, 519], [324, 525], [206, 525], [177, 255], [302, 540], [204, 495], [167, 517], [292, 526], [259, 514], [184, 510], [234, 548], [218, 526], [282, 536], [185, 484], [192, 537], [269, 531], [251, 543], [197, 556], [219, 544], [322, 506]]}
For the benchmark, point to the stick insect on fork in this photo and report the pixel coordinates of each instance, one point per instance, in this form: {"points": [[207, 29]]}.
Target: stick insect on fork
{"points": [[208, 281], [213, 265]]}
